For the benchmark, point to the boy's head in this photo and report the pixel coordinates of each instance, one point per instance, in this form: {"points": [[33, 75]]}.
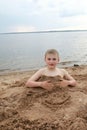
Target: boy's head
{"points": [[52, 51], [51, 58]]}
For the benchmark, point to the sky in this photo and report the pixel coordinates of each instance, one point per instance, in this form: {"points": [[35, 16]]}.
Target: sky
{"points": [[42, 15]]}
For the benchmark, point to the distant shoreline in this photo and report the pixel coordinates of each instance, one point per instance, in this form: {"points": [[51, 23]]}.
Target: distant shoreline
{"points": [[51, 31], [62, 65]]}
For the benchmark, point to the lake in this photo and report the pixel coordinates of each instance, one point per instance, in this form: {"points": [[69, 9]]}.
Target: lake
{"points": [[25, 51]]}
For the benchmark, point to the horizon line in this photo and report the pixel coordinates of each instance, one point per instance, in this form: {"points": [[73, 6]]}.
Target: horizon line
{"points": [[43, 31]]}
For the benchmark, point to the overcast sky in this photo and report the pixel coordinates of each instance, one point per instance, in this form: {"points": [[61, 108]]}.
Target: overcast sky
{"points": [[40, 15]]}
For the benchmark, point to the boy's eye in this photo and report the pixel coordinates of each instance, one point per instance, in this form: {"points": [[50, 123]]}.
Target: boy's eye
{"points": [[54, 58], [49, 58]]}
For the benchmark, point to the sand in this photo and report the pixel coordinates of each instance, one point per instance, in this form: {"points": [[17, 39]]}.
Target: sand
{"points": [[23, 108]]}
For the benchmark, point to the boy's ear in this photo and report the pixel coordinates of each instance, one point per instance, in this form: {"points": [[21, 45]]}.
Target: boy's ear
{"points": [[58, 59], [44, 59]]}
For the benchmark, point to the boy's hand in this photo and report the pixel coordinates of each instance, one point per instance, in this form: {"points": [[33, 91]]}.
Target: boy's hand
{"points": [[47, 85]]}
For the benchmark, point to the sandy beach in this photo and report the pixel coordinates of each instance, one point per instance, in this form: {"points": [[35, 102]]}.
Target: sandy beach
{"points": [[23, 108]]}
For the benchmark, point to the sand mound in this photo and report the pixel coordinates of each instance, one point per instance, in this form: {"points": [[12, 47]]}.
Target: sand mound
{"points": [[24, 108]]}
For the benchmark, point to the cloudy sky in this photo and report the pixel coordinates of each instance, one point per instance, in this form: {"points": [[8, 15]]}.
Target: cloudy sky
{"points": [[41, 15]]}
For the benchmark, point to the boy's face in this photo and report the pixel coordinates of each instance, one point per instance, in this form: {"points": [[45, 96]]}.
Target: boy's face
{"points": [[51, 60]]}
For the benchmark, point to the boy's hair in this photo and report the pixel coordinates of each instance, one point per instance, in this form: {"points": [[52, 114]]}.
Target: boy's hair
{"points": [[51, 51]]}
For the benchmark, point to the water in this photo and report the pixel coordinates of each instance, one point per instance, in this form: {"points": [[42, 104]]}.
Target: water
{"points": [[26, 51]]}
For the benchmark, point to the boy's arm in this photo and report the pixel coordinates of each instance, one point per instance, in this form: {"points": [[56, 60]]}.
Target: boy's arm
{"points": [[32, 82], [68, 79]]}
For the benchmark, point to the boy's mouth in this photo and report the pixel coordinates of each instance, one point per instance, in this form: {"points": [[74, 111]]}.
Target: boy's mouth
{"points": [[51, 64]]}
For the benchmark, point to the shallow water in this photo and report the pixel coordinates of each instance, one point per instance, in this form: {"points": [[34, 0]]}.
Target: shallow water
{"points": [[26, 51]]}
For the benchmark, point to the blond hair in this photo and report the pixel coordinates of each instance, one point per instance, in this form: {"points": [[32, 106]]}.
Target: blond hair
{"points": [[51, 51]]}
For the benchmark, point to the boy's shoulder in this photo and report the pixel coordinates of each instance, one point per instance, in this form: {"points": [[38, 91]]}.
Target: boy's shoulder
{"points": [[42, 69], [63, 70]]}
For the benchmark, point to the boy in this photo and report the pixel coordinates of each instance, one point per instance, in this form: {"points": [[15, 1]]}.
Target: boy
{"points": [[51, 59]]}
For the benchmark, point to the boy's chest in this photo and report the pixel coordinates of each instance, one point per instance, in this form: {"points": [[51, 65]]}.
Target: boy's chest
{"points": [[53, 73]]}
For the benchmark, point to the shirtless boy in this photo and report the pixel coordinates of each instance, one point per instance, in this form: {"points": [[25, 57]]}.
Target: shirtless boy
{"points": [[51, 59]]}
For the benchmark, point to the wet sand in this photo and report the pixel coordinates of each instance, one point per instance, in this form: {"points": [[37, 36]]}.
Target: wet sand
{"points": [[23, 108]]}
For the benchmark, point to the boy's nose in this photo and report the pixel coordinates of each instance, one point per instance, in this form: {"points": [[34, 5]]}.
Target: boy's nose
{"points": [[51, 61]]}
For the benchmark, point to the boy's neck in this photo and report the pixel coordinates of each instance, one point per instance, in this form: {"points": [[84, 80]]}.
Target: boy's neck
{"points": [[51, 69]]}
